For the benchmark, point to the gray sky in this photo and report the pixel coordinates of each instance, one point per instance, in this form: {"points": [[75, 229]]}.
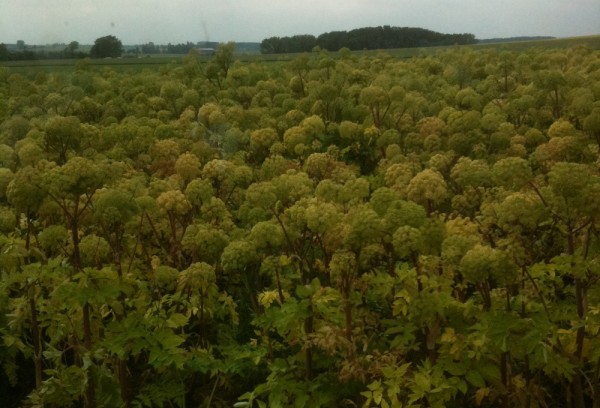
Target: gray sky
{"points": [[176, 21]]}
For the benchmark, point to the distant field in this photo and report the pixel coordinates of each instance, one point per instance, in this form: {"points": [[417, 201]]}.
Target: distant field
{"points": [[592, 41], [65, 65], [137, 64]]}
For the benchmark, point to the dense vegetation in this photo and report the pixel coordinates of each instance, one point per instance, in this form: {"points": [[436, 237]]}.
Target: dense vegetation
{"points": [[357, 231], [366, 38]]}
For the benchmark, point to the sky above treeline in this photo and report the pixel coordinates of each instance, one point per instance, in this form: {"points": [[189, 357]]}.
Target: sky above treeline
{"points": [[179, 21]]}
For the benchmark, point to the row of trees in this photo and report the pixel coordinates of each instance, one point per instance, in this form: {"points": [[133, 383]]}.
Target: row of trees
{"points": [[107, 46], [7, 55], [325, 232], [367, 38]]}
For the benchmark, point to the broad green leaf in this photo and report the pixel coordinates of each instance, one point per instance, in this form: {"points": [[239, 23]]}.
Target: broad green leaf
{"points": [[475, 378]]}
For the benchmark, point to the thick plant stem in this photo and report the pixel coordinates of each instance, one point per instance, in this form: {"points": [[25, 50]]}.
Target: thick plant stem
{"points": [[578, 397], [124, 382], [346, 290], [37, 343], [90, 390], [578, 393], [348, 328], [309, 329], [76, 257]]}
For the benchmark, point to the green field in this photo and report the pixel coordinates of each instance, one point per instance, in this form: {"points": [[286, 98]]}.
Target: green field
{"points": [[66, 65], [592, 42]]}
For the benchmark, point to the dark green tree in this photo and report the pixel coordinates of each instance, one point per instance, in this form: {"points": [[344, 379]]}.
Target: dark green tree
{"points": [[4, 54], [107, 47]]}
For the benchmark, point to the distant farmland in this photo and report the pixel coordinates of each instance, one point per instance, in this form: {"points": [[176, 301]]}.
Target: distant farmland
{"points": [[138, 64]]}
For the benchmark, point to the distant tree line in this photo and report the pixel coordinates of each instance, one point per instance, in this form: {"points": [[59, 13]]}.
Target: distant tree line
{"points": [[367, 38], [35, 53], [182, 48], [108, 46]]}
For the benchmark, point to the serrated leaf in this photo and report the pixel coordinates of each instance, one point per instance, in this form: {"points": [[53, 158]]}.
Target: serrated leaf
{"points": [[377, 396], [367, 394], [171, 341], [177, 320], [422, 381], [284, 260], [375, 385]]}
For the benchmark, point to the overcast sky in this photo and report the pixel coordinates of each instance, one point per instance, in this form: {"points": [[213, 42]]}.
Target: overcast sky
{"points": [[177, 21]]}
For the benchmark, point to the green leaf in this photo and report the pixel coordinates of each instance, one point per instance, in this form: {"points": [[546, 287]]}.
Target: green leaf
{"points": [[368, 395], [375, 385], [377, 396], [490, 372], [462, 386], [475, 378]]}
